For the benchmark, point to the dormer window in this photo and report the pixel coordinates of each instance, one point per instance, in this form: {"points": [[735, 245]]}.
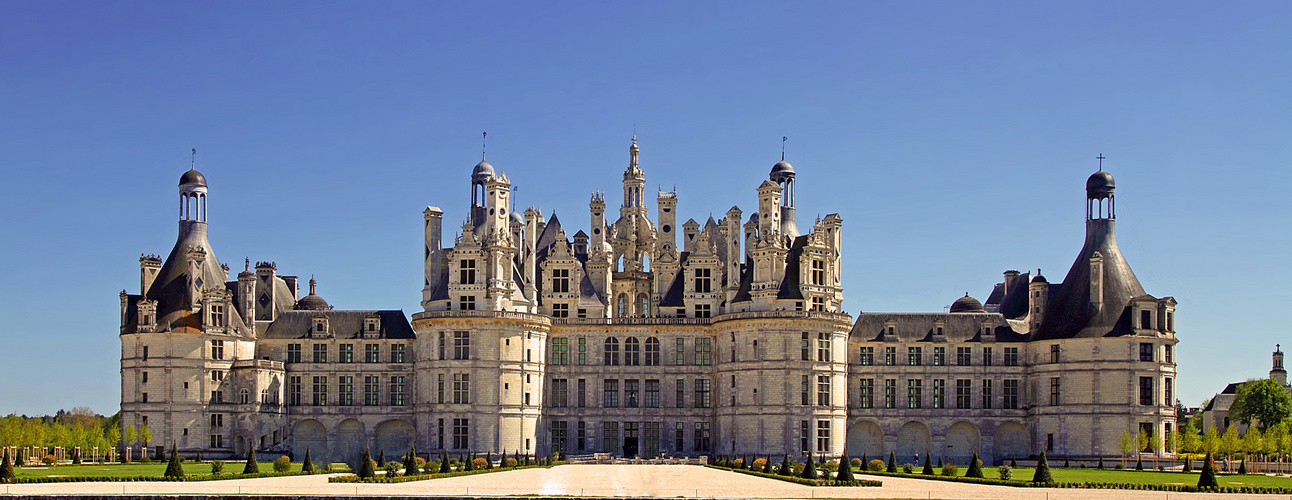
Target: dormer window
{"points": [[320, 326], [703, 280], [560, 281], [467, 272], [818, 272], [217, 315], [371, 325], [1146, 319]]}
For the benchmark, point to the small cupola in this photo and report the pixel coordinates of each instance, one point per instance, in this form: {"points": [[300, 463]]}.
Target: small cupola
{"points": [[312, 302]]}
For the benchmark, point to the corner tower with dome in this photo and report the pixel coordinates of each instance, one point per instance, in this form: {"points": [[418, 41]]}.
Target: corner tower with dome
{"points": [[1063, 368]]}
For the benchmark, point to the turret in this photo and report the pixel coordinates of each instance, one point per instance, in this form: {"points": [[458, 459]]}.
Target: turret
{"points": [[1038, 296], [597, 209], [148, 267], [634, 180], [689, 230], [783, 175], [433, 256], [247, 295], [666, 202], [1277, 372], [769, 211], [480, 175]]}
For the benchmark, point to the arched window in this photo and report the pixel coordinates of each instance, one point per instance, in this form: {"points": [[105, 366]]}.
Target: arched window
{"points": [[264, 396], [622, 310], [610, 353], [244, 396], [643, 305], [632, 352], [652, 351]]}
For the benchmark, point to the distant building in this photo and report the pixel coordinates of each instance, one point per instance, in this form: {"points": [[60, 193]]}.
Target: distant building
{"points": [[1216, 413], [624, 340]]}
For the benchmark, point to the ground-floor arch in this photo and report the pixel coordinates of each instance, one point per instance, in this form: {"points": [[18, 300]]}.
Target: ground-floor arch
{"points": [[350, 441], [308, 434], [865, 439], [1011, 441], [394, 437], [962, 440], [913, 439]]}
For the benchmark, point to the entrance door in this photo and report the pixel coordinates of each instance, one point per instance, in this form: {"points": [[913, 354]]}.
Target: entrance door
{"points": [[630, 447]]}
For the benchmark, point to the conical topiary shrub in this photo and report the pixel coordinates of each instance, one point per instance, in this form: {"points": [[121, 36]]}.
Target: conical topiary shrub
{"points": [[864, 461], [786, 469], [410, 461], [1188, 464], [1101, 462], [845, 469], [1139, 461], [367, 468], [6, 469], [489, 460], [381, 459], [928, 466], [76, 457], [252, 467], [444, 462], [1013, 464], [307, 465], [1208, 477], [809, 469], [975, 470], [1042, 471], [1065, 463], [892, 462], [1242, 466], [173, 468]]}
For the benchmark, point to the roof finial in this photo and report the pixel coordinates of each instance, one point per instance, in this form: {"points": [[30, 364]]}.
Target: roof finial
{"points": [[247, 265], [1101, 161], [312, 284], [483, 136], [783, 139], [194, 164]]}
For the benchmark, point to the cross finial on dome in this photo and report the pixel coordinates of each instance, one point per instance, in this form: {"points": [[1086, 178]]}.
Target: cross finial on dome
{"points": [[1101, 158], [194, 159], [483, 144], [783, 139]]}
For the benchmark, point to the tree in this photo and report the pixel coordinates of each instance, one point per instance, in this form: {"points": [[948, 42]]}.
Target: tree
{"points": [[1230, 443], [145, 437], [1190, 441], [1155, 444], [1042, 474], [809, 469], [1125, 445], [444, 462], [845, 469], [173, 468], [307, 465], [128, 438], [6, 469], [1270, 443], [367, 468], [1253, 442], [786, 469], [1211, 441], [252, 467], [1265, 401], [1208, 477], [410, 461]]}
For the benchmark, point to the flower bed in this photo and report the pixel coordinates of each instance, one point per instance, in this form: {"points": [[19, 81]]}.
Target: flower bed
{"points": [[423, 477], [802, 480], [1092, 485]]}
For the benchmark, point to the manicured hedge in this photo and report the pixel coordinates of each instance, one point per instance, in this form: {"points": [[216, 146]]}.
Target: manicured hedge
{"points": [[801, 480], [1094, 485], [438, 475], [131, 479]]}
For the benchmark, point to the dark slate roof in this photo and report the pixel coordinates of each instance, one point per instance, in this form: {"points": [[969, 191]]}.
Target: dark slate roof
{"points": [[746, 282], [674, 296], [345, 324], [587, 291], [918, 327], [1013, 304], [790, 286], [170, 288], [1071, 313], [547, 238]]}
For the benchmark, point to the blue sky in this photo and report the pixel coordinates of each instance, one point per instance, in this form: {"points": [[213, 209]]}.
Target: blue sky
{"points": [[954, 138]]}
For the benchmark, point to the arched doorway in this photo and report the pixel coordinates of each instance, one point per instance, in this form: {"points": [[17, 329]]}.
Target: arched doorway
{"points": [[1011, 441], [309, 434], [865, 438], [962, 440], [350, 440], [913, 439], [394, 437]]}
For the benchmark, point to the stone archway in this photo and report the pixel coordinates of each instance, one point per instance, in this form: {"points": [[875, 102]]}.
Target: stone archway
{"points": [[309, 434], [913, 439], [240, 446], [350, 440], [962, 440], [394, 437], [865, 438], [1011, 441]]}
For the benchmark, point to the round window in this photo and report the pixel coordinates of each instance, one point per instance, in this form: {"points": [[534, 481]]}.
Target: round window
{"points": [[667, 228]]}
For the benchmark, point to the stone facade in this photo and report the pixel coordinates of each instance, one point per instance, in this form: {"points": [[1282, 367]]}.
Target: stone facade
{"points": [[626, 341]]}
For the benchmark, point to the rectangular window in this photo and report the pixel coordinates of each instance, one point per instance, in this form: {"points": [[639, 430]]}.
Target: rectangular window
{"points": [[144, 397], [703, 393], [1166, 352], [939, 393], [939, 356], [581, 393], [345, 390], [703, 280], [460, 428], [217, 441], [914, 356], [320, 391], [818, 304], [1146, 351], [986, 394], [963, 394], [652, 394], [560, 351], [652, 351], [822, 436], [1011, 395], [1166, 391], [217, 375], [293, 353], [1054, 391], [681, 391], [461, 388], [701, 436], [610, 437], [397, 391], [679, 437], [823, 347], [217, 420], [560, 393], [467, 272], [1049, 442], [294, 390], [461, 345], [703, 351], [823, 390], [805, 390], [371, 353], [560, 310], [890, 393], [558, 436], [867, 393], [1011, 356], [610, 394], [632, 352], [804, 436], [1146, 319], [561, 283], [320, 353], [144, 378], [217, 349], [805, 346], [703, 310], [890, 356], [680, 352], [914, 393], [650, 439], [145, 353], [397, 353], [1146, 391], [867, 356], [631, 394], [345, 353], [818, 272], [467, 302], [986, 356], [963, 356], [371, 391], [217, 396], [1054, 353], [582, 436], [583, 351]]}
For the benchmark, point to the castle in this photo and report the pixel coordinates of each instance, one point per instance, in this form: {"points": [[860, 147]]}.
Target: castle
{"points": [[627, 341]]}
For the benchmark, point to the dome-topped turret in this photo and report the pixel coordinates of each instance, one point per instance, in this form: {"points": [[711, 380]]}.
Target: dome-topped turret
{"points": [[1100, 185], [312, 302], [482, 172], [967, 304], [192, 178], [782, 169]]}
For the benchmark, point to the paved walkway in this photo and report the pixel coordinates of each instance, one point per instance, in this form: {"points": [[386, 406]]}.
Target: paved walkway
{"points": [[658, 481]]}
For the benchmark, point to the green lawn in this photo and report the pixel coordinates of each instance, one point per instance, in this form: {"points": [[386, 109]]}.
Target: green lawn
{"points": [[1139, 477], [136, 469]]}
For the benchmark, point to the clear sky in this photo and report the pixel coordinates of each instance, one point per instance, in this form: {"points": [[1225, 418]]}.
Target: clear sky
{"points": [[954, 138]]}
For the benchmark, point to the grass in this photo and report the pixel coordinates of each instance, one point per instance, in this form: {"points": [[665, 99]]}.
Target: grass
{"points": [[1061, 474], [136, 469]]}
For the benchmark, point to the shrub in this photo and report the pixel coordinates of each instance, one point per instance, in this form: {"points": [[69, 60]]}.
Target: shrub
{"points": [[1006, 473], [6, 469], [49, 460], [1139, 461], [759, 464], [1042, 471], [252, 467], [431, 467], [1208, 477], [307, 465], [1101, 463], [392, 469], [143, 459], [875, 465], [421, 462], [479, 464], [367, 468], [445, 466], [908, 468], [283, 464], [809, 469], [856, 462], [975, 467], [173, 468], [217, 467], [511, 462], [1119, 467], [950, 469], [831, 466], [892, 462], [845, 473], [1242, 467], [928, 465]]}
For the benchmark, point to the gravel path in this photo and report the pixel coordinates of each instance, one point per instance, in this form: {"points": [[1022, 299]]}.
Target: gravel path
{"points": [[658, 481]]}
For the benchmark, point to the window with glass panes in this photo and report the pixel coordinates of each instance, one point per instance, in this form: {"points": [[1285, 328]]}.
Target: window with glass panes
{"points": [[703, 280], [632, 352], [293, 353], [460, 429], [320, 391], [805, 348], [345, 353], [561, 281], [702, 436], [397, 353], [371, 388], [583, 351], [345, 390], [652, 351], [867, 393], [461, 388], [680, 352], [867, 356], [704, 351], [294, 390], [986, 393], [986, 356], [610, 352], [560, 351], [939, 393], [558, 436], [461, 345], [652, 394], [822, 436], [1054, 391], [823, 390], [823, 347], [890, 393], [610, 437], [805, 389], [1009, 390], [1146, 391], [964, 394], [397, 391], [914, 356], [964, 356], [939, 356], [610, 393], [703, 393], [371, 353], [914, 393], [890, 356], [1011, 356], [632, 396]]}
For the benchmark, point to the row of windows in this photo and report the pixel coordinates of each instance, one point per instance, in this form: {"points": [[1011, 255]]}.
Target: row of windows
{"points": [[396, 394], [345, 353], [915, 356], [645, 435], [964, 395], [632, 351], [634, 394]]}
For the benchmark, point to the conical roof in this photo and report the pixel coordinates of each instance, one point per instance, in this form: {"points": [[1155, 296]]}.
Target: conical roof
{"points": [[1073, 312]]}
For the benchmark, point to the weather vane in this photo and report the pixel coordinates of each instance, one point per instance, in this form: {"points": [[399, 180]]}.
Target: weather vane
{"points": [[483, 136], [194, 157], [783, 139]]}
